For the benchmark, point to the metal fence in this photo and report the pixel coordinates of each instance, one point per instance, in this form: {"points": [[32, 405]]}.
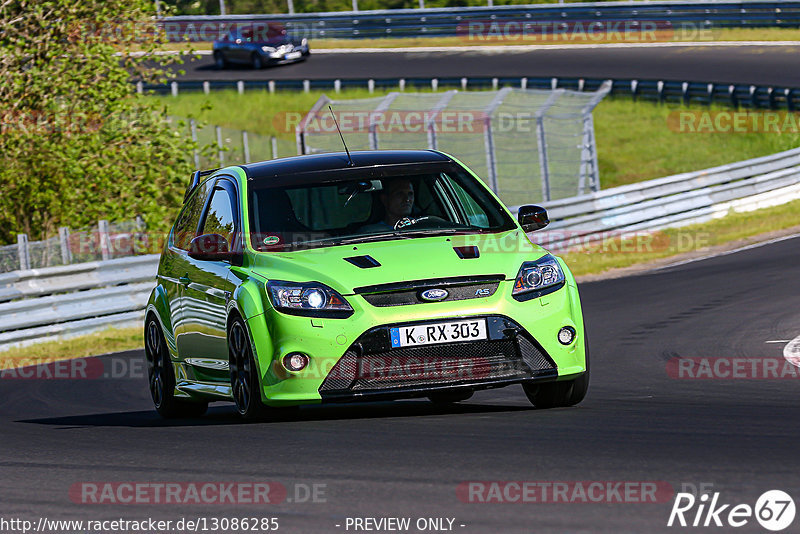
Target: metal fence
{"points": [[219, 146], [674, 201], [105, 241], [527, 143], [54, 302], [739, 95], [439, 22]]}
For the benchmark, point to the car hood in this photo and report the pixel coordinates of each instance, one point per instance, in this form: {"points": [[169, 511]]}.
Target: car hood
{"points": [[401, 260]]}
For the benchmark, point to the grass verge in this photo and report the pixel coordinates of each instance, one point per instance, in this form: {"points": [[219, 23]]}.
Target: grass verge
{"points": [[618, 253], [642, 140], [103, 342]]}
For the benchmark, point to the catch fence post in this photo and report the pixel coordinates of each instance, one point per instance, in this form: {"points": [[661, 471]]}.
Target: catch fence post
{"points": [[63, 237], [23, 252]]}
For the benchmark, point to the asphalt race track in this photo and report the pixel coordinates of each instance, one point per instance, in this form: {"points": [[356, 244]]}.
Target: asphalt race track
{"points": [[407, 458], [764, 65]]}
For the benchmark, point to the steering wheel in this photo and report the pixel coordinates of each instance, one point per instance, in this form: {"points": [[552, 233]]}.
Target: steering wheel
{"points": [[405, 222]]}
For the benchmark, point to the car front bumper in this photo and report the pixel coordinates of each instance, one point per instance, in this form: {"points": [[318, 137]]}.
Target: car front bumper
{"points": [[522, 346], [296, 54]]}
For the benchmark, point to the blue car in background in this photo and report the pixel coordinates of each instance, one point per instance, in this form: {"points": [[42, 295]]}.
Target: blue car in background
{"points": [[259, 47]]}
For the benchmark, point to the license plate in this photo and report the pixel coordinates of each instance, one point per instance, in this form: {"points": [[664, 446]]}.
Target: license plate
{"points": [[293, 55], [429, 334]]}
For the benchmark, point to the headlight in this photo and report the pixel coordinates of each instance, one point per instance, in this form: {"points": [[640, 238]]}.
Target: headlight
{"points": [[268, 49], [537, 275], [311, 299]]}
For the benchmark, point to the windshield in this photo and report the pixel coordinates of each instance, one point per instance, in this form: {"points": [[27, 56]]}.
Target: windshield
{"points": [[326, 213]]}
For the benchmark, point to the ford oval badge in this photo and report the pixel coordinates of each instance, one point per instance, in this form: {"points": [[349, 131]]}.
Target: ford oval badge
{"points": [[434, 294]]}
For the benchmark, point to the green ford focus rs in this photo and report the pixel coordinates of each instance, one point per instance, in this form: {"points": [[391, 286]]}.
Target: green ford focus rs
{"points": [[336, 278]]}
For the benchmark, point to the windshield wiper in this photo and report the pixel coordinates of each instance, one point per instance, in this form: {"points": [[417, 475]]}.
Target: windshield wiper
{"points": [[333, 241], [435, 231], [401, 234], [397, 234], [369, 237]]}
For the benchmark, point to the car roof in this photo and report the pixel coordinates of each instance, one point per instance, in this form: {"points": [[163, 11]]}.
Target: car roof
{"points": [[284, 169]]}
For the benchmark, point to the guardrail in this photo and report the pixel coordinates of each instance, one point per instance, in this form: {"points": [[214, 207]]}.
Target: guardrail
{"points": [[101, 242], [41, 304], [447, 22], [674, 201], [687, 92]]}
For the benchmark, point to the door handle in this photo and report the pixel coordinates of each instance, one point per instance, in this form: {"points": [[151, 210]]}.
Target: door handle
{"points": [[184, 280]]}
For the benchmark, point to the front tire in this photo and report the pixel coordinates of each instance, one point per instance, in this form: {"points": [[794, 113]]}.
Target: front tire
{"points": [[245, 383], [560, 394], [256, 61], [161, 377]]}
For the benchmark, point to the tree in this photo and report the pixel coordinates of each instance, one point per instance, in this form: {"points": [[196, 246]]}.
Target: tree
{"points": [[77, 143]]}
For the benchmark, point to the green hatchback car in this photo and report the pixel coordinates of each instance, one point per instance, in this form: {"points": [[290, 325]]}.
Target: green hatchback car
{"points": [[341, 278]]}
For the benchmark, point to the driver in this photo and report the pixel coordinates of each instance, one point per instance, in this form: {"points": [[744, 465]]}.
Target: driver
{"points": [[397, 198]]}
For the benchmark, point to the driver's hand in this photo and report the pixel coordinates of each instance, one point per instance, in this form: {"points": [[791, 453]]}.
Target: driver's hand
{"points": [[402, 223]]}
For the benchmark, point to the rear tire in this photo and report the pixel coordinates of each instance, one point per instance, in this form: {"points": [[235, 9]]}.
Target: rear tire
{"points": [[450, 397], [161, 376], [219, 60], [256, 61], [245, 383]]}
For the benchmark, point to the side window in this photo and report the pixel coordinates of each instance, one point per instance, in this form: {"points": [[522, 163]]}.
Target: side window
{"points": [[427, 199], [186, 226], [220, 218], [475, 214]]}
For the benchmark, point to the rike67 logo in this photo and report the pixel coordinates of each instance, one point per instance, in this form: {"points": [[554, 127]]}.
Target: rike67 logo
{"points": [[774, 510]]}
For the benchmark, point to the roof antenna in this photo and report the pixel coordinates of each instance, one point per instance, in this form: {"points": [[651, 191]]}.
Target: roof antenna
{"points": [[351, 164]]}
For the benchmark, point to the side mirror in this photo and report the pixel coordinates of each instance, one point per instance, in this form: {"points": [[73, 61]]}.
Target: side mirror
{"points": [[532, 218], [210, 247]]}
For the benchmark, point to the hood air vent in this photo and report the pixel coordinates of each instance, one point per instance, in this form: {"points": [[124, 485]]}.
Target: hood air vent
{"points": [[467, 253], [364, 262]]}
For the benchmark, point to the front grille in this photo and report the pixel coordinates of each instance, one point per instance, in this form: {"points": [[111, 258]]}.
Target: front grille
{"points": [[403, 294], [371, 365]]}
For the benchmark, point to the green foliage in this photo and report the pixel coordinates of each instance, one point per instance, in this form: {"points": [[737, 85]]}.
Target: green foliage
{"points": [[78, 143]]}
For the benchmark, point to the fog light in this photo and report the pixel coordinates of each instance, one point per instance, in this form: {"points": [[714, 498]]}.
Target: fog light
{"points": [[566, 335], [295, 361]]}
